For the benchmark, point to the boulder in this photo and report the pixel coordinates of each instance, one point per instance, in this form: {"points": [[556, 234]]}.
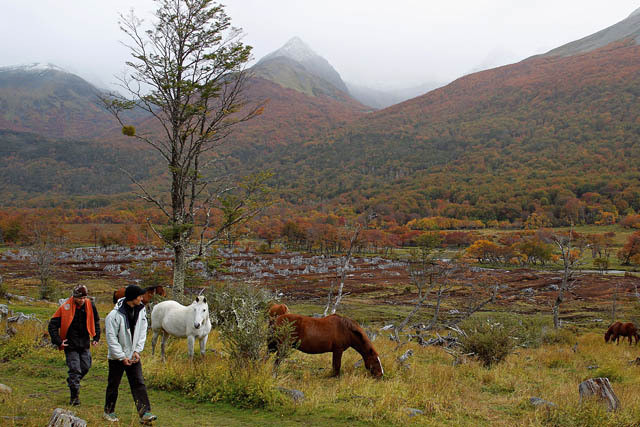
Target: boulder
{"points": [[63, 418], [5, 389], [536, 401], [599, 388], [296, 395], [413, 412]]}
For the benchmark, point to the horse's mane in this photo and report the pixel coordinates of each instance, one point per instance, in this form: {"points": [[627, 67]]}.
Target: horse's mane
{"points": [[355, 328]]}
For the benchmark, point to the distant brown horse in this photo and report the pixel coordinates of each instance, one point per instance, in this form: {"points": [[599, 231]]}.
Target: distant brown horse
{"points": [[619, 329], [146, 297], [276, 310], [331, 334]]}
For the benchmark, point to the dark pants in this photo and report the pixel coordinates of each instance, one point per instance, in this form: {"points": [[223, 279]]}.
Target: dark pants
{"points": [[136, 383], [78, 362]]}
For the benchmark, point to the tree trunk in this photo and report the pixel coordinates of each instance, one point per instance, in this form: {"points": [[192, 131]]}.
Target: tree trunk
{"points": [[556, 309], [179, 267], [614, 307], [601, 389]]}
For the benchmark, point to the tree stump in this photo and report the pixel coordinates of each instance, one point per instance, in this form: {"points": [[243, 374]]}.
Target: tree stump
{"points": [[599, 388], [64, 418]]}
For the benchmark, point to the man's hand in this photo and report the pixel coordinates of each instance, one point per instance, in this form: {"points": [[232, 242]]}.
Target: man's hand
{"points": [[94, 343], [135, 358], [127, 362], [65, 343]]}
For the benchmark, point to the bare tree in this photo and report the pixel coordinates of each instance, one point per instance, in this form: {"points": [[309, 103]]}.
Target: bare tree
{"points": [[45, 239], [353, 241], [427, 273], [571, 258], [188, 72]]}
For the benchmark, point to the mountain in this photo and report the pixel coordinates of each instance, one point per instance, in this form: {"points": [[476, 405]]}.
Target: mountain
{"points": [[627, 29], [299, 104], [297, 51], [47, 100], [34, 166], [554, 134]]}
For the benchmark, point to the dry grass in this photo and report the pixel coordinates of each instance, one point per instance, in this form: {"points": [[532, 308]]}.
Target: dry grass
{"points": [[466, 394]]}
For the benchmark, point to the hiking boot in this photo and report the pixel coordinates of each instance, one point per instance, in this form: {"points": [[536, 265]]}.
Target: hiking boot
{"points": [[148, 418], [74, 400], [110, 417]]}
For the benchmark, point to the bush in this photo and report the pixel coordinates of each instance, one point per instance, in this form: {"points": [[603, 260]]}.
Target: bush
{"points": [[249, 387], [489, 342], [3, 288], [240, 311], [21, 344], [558, 336]]}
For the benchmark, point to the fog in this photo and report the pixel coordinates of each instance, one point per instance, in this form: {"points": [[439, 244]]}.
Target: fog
{"points": [[376, 43]]}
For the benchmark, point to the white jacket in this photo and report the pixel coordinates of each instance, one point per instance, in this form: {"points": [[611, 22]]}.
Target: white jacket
{"points": [[121, 344]]}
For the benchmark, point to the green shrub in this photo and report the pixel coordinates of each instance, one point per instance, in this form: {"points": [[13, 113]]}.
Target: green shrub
{"points": [[489, 342], [3, 288], [607, 372], [240, 311], [557, 336], [20, 344]]}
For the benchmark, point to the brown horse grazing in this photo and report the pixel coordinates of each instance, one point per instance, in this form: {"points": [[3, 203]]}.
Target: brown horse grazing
{"points": [[146, 297], [331, 334], [619, 329]]}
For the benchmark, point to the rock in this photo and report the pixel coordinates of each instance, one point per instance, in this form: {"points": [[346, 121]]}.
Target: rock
{"points": [[528, 291], [413, 412], [63, 418], [4, 310], [536, 401], [296, 395], [593, 367], [5, 389], [601, 389]]}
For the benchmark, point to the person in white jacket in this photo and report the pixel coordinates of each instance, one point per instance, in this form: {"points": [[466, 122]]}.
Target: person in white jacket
{"points": [[126, 332]]}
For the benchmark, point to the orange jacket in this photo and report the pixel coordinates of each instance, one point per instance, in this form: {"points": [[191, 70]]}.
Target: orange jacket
{"points": [[66, 312]]}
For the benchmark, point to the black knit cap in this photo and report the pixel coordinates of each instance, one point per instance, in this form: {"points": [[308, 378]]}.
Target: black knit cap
{"points": [[80, 291], [132, 292]]}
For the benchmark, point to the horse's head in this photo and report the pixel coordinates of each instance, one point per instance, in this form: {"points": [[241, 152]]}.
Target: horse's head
{"points": [[607, 335], [160, 291], [201, 311], [373, 364]]}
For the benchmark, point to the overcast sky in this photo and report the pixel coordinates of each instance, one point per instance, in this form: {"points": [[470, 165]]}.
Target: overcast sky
{"points": [[379, 43]]}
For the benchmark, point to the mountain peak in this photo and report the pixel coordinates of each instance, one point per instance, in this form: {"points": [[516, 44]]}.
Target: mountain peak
{"points": [[298, 51], [33, 67], [635, 13], [294, 49]]}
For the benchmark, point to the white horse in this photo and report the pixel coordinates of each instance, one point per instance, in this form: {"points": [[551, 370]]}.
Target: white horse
{"points": [[173, 318]]}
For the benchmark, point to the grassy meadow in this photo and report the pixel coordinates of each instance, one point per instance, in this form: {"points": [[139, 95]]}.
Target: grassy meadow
{"points": [[215, 391]]}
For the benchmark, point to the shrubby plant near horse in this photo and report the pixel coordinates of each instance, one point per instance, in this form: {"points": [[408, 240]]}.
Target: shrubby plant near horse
{"points": [[240, 312]]}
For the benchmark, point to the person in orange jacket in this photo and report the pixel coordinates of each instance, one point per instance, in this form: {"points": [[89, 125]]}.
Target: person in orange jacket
{"points": [[74, 327]]}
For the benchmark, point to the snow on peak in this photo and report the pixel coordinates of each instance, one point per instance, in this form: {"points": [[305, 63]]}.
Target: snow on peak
{"points": [[294, 49], [635, 13], [33, 67]]}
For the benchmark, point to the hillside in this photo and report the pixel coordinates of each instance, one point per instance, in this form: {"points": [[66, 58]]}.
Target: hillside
{"points": [[50, 101], [32, 166], [556, 134]]}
